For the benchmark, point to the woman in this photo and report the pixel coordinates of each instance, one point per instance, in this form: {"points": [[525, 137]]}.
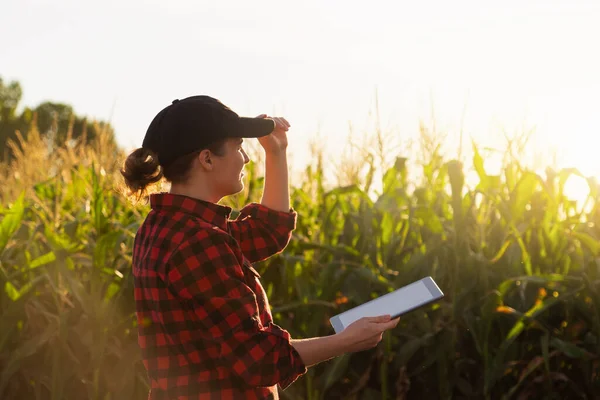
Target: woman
{"points": [[205, 327]]}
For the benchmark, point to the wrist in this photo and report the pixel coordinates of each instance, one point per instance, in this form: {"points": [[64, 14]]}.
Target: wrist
{"points": [[278, 153], [343, 342]]}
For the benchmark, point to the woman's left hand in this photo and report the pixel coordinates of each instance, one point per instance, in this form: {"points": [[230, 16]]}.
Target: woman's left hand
{"points": [[276, 141]]}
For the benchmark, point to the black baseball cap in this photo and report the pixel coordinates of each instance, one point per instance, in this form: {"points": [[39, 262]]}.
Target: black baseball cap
{"points": [[193, 123]]}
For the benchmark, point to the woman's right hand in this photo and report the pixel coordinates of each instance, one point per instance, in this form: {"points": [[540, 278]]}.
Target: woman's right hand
{"points": [[366, 332]]}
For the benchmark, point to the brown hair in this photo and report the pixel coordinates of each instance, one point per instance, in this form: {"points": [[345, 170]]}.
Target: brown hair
{"points": [[141, 169]]}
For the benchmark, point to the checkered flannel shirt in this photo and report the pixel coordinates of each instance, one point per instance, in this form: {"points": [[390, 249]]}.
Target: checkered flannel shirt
{"points": [[204, 324]]}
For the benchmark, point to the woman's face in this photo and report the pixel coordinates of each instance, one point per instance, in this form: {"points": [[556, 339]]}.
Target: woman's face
{"points": [[228, 168]]}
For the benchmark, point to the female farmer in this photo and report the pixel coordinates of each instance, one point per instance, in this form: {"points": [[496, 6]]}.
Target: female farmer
{"points": [[205, 327]]}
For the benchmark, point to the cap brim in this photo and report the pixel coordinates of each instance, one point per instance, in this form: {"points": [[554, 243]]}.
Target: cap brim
{"points": [[253, 127]]}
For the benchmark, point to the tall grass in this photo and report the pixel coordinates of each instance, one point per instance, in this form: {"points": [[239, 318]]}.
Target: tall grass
{"points": [[517, 259]]}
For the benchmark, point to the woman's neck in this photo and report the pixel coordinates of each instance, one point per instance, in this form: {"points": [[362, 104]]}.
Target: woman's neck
{"points": [[195, 191]]}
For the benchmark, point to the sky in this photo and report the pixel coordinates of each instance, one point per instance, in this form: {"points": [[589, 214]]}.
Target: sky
{"points": [[479, 66]]}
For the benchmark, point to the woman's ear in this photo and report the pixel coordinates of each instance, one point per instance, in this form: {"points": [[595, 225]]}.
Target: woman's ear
{"points": [[205, 160]]}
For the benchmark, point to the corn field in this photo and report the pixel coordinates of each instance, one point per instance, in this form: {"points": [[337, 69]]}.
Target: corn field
{"points": [[517, 261]]}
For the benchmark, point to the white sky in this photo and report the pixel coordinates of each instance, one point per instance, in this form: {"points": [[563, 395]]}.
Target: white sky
{"points": [[515, 63]]}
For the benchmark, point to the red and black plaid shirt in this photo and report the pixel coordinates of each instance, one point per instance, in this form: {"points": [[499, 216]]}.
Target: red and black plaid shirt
{"points": [[205, 327]]}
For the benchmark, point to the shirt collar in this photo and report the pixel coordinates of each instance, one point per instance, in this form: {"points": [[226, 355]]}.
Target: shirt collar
{"points": [[212, 213]]}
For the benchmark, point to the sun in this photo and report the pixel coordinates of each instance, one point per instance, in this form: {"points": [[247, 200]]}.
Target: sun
{"points": [[577, 188]]}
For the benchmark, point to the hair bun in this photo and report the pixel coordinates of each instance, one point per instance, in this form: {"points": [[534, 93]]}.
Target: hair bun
{"points": [[141, 169]]}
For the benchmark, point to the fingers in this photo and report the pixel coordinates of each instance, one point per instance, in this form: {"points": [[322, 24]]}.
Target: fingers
{"points": [[391, 324], [373, 340], [279, 121], [286, 123], [379, 318], [369, 330], [384, 322]]}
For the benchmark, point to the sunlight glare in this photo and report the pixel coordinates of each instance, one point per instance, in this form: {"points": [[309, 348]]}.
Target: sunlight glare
{"points": [[577, 188]]}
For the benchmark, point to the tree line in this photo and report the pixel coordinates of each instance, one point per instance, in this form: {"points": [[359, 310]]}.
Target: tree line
{"points": [[54, 120]]}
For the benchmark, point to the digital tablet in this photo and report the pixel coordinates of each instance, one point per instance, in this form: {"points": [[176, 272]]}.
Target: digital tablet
{"points": [[396, 303]]}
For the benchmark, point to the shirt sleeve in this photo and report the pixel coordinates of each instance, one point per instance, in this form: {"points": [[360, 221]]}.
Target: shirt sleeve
{"points": [[205, 271], [262, 231]]}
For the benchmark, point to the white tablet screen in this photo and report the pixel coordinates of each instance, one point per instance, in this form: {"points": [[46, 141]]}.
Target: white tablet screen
{"points": [[397, 302]]}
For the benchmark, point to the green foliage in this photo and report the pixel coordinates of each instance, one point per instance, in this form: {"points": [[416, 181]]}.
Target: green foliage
{"points": [[67, 315], [517, 260]]}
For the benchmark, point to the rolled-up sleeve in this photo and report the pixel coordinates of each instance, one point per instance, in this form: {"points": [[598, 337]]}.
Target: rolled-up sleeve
{"points": [[262, 231], [206, 272]]}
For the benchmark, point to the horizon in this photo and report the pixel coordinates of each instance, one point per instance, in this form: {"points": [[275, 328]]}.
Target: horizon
{"points": [[514, 66]]}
